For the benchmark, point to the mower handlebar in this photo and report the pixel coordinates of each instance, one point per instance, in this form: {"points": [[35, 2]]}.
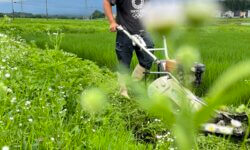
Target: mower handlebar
{"points": [[135, 40]]}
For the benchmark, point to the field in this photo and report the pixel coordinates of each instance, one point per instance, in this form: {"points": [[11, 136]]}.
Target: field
{"points": [[226, 40], [41, 109]]}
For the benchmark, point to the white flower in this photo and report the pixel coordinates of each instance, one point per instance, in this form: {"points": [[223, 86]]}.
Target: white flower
{"points": [[60, 112], [11, 118], [50, 89], [52, 139], [158, 136], [9, 90], [13, 100], [15, 68], [2, 35], [27, 103], [5, 148], [7, 75], [60, 87], [30, 120], [157, 120], [210, 127], [27, 108], [170, 140], [20, 124], [165, 135]]}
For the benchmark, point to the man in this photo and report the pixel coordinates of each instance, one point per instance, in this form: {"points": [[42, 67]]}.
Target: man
{"points": [[128, 16]]}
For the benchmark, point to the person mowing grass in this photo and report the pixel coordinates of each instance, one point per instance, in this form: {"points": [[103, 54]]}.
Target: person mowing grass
{"points": [[128, 16]]}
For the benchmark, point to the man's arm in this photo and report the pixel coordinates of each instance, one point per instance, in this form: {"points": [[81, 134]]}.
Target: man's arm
{"points": [[108, 12]]}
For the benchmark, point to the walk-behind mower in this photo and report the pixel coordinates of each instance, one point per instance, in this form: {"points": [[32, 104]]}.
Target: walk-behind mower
{"points": [[166, 83]]}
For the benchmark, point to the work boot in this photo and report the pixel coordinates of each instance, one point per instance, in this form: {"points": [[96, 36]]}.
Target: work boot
{"points": [[138, 73], [124, 91], [123, 88]]}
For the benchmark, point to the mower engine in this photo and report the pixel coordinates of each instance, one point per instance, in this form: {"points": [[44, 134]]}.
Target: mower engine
{"points": [[172, 66], [198, 71]]}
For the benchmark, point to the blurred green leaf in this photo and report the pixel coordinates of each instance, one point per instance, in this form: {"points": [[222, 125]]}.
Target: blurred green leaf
{"points": [[93, 100], [184, 128], [161, 106]]}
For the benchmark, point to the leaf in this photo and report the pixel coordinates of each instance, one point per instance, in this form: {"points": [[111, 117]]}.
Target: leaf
{"points": [[184, 128], [161, 106]]}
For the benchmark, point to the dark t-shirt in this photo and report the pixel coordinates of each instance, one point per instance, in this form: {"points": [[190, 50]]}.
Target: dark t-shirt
{"points": [[129, 14]]}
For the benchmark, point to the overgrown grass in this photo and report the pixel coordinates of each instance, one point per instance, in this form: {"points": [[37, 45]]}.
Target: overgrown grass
{"points": [[39, 102]]}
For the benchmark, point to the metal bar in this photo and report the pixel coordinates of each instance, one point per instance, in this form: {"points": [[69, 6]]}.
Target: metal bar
{"points": [[138, 43], [157, 49], [157, 73], [165, 47]]}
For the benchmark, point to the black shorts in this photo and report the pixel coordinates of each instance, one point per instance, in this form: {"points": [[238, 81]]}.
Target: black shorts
{"points": [[125, 48]]}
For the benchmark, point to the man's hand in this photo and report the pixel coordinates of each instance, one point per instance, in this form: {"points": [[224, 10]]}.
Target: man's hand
{"points": [[113, 27], [108, 12]]}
